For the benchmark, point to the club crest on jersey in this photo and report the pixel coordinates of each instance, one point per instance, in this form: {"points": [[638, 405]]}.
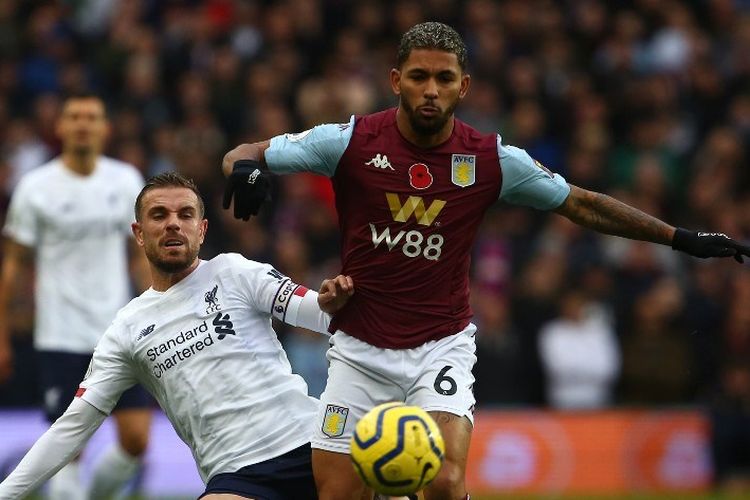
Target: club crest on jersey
{"points": [[212, 301], [334, 420], [463, 170], [420, 176]]}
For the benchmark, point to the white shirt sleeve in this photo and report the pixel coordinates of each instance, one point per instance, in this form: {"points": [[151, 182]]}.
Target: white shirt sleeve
{"points": [[22, 223], [309, 314], [273, 293], [59, 445], [134, 184], [110, 372]]}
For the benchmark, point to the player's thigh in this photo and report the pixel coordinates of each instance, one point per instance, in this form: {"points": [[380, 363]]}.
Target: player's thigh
{"points": [[335, 478], [352, 389], [444, 380]]}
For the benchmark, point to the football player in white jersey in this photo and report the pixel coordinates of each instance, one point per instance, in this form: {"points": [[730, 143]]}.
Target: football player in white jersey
{"points": [[200, 340], [70, 219]]}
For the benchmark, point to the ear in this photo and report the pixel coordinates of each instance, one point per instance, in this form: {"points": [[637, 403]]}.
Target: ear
{"points": [[465, 82], [203, 229], [137, 232], [396, 81]]}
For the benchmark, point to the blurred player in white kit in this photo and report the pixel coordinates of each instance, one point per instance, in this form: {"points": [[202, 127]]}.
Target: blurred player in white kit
{"points": [[70, 219]]}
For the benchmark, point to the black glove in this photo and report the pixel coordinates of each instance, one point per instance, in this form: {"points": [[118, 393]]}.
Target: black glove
{"points": [[704, 245], [249, 185]]}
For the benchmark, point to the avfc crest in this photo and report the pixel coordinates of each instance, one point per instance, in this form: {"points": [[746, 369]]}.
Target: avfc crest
{"points": [[334, 420], [463, 170]]}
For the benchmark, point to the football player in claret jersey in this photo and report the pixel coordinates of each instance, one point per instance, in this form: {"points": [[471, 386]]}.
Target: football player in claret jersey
{"points": [[412, 184], [69, 220], [200, 340]]}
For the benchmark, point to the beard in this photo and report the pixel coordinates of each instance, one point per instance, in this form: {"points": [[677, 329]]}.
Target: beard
{"points": [[427, 126], [174, 265]]}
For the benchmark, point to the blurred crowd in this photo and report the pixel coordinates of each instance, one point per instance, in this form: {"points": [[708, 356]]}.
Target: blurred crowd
{"points": [[646, 100]]}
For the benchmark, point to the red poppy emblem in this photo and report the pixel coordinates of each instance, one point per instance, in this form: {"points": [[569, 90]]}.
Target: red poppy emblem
{"points": [[420, 176]]}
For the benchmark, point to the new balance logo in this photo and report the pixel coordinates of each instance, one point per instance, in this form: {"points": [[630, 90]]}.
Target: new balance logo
{"points": [[223, 326], [413, 205], [145, 332], [380, 161]]}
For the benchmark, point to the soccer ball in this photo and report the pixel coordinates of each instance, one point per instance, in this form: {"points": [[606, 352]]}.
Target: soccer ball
{"points": [[397, 449]]}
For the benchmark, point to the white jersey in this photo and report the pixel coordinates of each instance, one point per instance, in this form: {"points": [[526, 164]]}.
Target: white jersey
{"points": [[79, 226], [206, 351]]}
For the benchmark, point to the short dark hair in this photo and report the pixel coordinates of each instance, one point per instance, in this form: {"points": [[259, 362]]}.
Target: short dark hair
{"points": [[432, 35], [168, 179], [82, 95]]}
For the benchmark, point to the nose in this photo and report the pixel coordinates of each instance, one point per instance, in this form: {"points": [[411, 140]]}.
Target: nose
{"points": [[431, 89], [173, 222]]}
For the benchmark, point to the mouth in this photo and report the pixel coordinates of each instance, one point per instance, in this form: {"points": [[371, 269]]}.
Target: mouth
{"points": [[428, 111], [173, 243]]}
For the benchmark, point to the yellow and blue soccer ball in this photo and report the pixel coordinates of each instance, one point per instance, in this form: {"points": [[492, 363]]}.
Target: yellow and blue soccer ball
{"points": [[397, 449]]}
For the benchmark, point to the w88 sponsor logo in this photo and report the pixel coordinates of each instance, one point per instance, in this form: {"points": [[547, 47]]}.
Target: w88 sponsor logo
{"points": [[413, 243]]}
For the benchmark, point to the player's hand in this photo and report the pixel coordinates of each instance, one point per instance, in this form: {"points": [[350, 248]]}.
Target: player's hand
{"points": [[249, 185], [6, 359], [334, 293], [705, 245]]}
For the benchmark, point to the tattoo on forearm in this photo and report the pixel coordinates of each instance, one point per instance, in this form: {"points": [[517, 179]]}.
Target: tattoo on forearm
{"points": [[608, 215]]}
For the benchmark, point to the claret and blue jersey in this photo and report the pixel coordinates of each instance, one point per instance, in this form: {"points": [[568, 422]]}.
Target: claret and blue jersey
{"points": [[408, 217]]}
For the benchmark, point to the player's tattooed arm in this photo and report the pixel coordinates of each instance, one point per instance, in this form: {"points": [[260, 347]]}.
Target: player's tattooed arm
{"points": [[607, 215], [254, 151]]}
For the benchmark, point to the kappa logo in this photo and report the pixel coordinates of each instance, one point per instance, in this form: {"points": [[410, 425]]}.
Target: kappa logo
{"points": [[380, 161], [334, 420], [145, 332], [212, 301]]}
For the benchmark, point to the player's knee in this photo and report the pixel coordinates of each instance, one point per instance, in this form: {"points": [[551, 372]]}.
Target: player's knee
{"points": [[449, 483], [134, 443]]}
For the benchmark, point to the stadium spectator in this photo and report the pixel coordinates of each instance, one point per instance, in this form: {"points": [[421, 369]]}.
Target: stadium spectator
{"points": [[580, 355], [69, 219], [407, 335], [214, 314]]}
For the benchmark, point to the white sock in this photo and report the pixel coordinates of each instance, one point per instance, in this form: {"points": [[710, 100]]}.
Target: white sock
{"points": [[66, 484], [112, 472]]}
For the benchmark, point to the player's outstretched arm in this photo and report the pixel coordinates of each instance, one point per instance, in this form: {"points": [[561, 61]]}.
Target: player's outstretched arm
{"points": [[248, 181], [334, 293], [59, 445], [15, 258], [607, 215]]}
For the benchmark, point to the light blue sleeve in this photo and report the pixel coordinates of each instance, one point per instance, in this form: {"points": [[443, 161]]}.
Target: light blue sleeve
{"points": [[527, 182], [317, 150]]}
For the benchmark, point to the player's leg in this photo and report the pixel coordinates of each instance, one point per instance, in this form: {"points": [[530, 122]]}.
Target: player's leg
{"points": [[355, 385], [59, 376], [444, 389], [122, 461], [450, 483], [335, 477]]}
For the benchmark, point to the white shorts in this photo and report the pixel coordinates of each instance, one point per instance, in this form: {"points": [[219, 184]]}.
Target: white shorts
{"points": [[435, 376]]}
